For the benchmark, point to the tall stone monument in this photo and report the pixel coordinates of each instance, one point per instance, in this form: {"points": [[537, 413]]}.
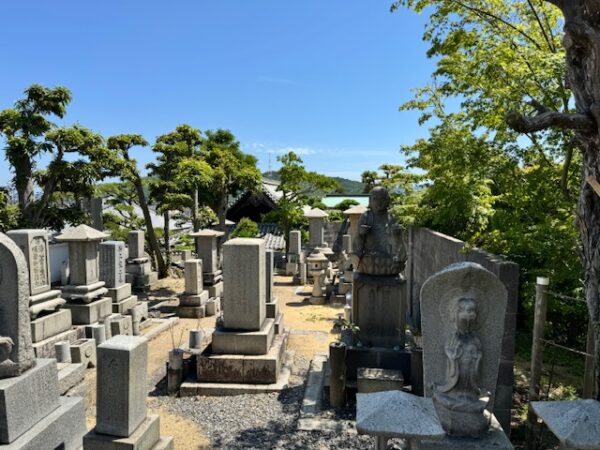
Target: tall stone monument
{"points": [[112, 272], [85, 293], [49, 322], [32, 413], [245, 348], [207, 243], [122, 421], [192, 303], [379, 291], [463, 309], [294, 253], [138, 268]]}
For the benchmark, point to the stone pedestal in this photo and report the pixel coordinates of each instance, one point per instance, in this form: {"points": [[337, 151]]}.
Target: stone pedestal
{"points": [[121, 418], [138, 268], [207, 243], [379, 309]]}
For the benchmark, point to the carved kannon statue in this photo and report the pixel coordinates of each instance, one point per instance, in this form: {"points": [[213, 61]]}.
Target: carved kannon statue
{"points": [[460, 401], [379, 246]]}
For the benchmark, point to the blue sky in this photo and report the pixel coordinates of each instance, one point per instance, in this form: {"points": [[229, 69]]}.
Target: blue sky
{"points": [[323, 78]]}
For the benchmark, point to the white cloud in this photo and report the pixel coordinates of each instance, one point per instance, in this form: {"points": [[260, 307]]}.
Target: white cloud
{"points": [[301, 151]]}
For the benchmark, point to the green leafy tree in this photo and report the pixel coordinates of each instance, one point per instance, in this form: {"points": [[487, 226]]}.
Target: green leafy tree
{"points": [[229, 170], [246, 228], [121, 145], [298, 188], [24, 128], [165, 191], [9, 214], [345, 204], [121, 217]]}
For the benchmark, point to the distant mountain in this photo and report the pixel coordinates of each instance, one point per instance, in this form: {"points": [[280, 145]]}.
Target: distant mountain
{"points": [[349, 187]]}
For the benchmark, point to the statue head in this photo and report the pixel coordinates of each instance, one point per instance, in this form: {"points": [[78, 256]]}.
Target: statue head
{"points": [[466, 315], [379, 200]]}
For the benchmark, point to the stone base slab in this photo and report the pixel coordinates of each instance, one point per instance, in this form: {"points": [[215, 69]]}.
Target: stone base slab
{"points": [[215, 290], [88, 313], [69, 376], [138, 269], [246, 369], [495, 439], [212, 278], [120, 293], [27, 399], [145, 437], [191, 388], [62, 429], [193, 299], [124, 306], [191, 312], [45, 348], [123, 325], [47, 326], [229, 342]]}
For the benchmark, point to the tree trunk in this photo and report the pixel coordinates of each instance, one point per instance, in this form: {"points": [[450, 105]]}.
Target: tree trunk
{"points": [[25, 190], [582, 45], [195, 221], [222, 211], [167, 237], [152, 241]]}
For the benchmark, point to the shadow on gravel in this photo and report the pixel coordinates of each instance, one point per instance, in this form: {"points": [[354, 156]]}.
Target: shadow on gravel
{"points": [[299, 304]]}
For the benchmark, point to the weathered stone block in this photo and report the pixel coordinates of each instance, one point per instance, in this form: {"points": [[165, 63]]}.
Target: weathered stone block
{"points": [[272, 309], [83, 351], [120, 293], [244, 342], [69, 375], [47, 326], [62, 429], [122, 325], [34, 245], [27, 399], [124, 306], [244, 283], [295, 242], [191, 312], [121, 393], [86, 314], [193, 276], [198, 299], [208, 251], [135, 244], [216, 290], [213, 306]]}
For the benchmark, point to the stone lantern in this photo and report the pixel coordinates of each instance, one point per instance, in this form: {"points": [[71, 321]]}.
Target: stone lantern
{"points": [[316, 218], [317, 265], [354, 214]]}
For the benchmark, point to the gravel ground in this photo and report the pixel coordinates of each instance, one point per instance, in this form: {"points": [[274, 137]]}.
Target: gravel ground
{"points": [[259, 421]]}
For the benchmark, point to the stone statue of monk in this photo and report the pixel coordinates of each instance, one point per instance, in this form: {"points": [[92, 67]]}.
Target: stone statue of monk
{"points": [[379, 246]]}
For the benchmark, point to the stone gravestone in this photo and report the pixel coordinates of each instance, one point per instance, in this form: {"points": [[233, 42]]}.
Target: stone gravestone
{"points": [[192, 303], [271, 301], [85, 293], [112, 272], [32, 414], [122, 421], [463, 309], [245, 349], [47, 319], [138, 268], [294, 253], [207, 244]]}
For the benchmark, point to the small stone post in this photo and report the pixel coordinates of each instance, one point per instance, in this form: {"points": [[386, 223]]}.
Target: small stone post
{"points": [[337, 381], [539, 320], [175, 371]]}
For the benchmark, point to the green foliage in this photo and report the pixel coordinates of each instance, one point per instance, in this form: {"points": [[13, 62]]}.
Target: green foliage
{"points": [[335, 215], [9, 214], [481, 181], [345, 204], [123, 201], [246, 228]]}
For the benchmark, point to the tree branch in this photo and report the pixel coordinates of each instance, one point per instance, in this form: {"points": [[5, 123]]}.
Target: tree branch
{"points": [[539, 21], [550, 119]]}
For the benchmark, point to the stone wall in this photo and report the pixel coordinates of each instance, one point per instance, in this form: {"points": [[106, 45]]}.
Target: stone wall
{"points": [[430, 252]]}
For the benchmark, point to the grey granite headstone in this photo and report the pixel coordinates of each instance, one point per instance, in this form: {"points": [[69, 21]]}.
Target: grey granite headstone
{"points": [[121, 383], [208, 248], [112, 263], [193, 276], [96, 209], [135, 244], [34, 244], [269, 266], [295, 246], [439, 297], [244, 305], [16, 350]]}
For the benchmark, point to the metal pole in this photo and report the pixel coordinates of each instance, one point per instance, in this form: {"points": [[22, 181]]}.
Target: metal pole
{"points": [[539, 320]]}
